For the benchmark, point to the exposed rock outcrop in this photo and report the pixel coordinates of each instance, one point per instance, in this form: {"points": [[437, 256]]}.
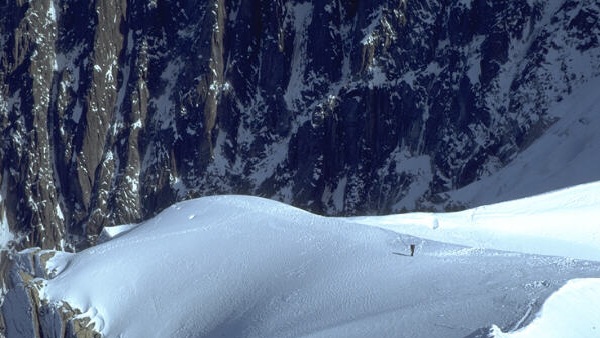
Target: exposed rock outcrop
{"points": [[111, 110], [24, 312]]}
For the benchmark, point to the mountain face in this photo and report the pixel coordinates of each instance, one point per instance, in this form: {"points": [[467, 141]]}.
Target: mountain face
{"points": [[112, 110]]}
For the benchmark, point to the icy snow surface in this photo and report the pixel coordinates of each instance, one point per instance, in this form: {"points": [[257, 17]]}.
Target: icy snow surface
{"points": [[235, 266]]}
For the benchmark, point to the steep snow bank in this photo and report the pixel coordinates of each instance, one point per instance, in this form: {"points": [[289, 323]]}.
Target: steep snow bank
{"points": [[570, 312]]}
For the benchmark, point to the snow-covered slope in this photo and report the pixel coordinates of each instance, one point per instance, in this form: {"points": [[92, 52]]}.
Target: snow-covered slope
{"points": [[570, 312], [561, 223], [566, 155], [240, 266]]}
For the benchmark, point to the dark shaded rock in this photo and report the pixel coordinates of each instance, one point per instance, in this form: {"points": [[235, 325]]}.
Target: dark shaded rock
{"points": [[112, 110]]}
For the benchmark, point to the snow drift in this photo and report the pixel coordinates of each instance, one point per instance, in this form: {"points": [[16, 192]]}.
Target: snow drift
{"points": [[250, 267]]}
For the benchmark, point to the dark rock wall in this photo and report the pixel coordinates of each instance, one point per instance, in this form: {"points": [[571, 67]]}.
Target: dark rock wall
{"points": [[111, 109]]}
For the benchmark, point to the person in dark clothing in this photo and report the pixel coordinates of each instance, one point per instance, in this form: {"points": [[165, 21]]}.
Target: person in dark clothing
{"points": [[412, 250]]}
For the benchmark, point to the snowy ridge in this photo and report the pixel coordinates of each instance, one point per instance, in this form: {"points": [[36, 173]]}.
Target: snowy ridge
{"points": [[561, 223], [246, 266]]}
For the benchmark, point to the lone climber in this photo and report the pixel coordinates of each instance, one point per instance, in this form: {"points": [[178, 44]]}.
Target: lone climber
{"points": [[412, 250]]}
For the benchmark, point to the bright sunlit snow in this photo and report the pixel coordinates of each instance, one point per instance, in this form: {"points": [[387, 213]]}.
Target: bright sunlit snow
{"points": [[236, 266], [561, 223], [570, 312]]}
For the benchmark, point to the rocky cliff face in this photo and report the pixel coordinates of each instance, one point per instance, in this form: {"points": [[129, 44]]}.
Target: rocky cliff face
{"points": [[111, 109], [24, 311]]}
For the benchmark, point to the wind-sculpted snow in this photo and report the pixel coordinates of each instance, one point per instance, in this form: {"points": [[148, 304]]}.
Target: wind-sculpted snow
{"points": [[245, 266]]}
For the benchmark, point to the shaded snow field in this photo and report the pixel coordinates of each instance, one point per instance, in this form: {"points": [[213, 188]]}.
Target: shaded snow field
{"points": [[565, 155], [234, 266]]}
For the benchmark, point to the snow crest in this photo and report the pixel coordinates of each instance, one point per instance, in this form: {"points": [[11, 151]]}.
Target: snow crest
{"points": [[246, 266]]}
